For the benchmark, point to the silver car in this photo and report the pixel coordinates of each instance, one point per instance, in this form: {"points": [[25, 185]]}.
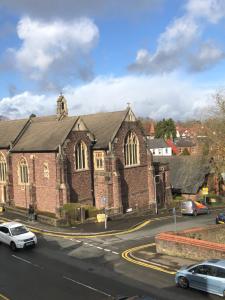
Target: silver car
{"points": [[194, 208], [208, 276]]}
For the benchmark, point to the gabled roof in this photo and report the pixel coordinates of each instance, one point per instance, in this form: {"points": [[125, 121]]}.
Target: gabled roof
{"points": [[9, 131], [104, 126], [44, 134], [157, 143], [187, 173]]}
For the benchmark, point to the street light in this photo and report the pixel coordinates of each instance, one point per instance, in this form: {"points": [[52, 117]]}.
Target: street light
{"points": [[156, 204]]}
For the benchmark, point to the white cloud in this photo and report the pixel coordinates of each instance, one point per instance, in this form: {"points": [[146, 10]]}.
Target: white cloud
{"points": [[171, 49], [178, 42], [155, 97], [207, 55], [212, 10], [54, 47]]}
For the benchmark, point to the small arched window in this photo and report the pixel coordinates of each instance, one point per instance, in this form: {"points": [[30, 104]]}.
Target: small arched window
{"points": [[131, 150], [81, 156], [3, 168], [23, 171]]}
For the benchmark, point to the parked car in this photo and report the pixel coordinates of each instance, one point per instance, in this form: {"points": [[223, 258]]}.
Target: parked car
{"points": [[220, 219], [16, 235], [208, 276], [194, 208]]}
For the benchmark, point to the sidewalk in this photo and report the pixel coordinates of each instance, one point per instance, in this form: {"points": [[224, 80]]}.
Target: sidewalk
{"points": [[122, 224]]}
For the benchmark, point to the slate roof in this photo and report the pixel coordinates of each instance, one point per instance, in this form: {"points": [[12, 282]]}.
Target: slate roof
{"points": [[157, 143], [45, 134], [104, 126], [9, 130], [184, 142], [187, 173]]}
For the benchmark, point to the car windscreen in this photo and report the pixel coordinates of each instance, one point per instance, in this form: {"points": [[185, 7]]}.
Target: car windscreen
{"points": [[186, 204], [18, 230]]}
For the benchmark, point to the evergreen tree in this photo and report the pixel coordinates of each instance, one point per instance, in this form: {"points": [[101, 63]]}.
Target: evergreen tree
{"points": [[165, 129]]}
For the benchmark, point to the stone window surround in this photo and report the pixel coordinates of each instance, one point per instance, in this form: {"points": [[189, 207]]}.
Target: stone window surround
{"points": [[131, 150], [3, 168], [80, 156], [23, 172]]}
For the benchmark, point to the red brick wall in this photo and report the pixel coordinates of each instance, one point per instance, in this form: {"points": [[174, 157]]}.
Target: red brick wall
{"points": [[45, 193], [3, 185], [80, 182], [135, 184]]}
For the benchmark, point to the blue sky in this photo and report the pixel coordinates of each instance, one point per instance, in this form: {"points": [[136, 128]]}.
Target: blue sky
{"points": [[165, 57]]}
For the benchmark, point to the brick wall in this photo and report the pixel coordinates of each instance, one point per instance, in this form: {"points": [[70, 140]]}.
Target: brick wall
{"points": [[196, 243], [41, 191], [79, 182], [135, 183]]}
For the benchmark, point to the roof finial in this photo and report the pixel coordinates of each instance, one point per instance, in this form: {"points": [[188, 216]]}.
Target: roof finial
{"points": [[128, 104]]}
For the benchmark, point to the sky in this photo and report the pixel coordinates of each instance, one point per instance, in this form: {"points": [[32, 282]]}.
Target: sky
{"points": [[164, 57]]}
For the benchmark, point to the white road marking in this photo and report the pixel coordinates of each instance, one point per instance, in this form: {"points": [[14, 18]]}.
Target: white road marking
{"points": [[114, 252], [107, 250], [26, 261], [87, 286], [99, 248]]}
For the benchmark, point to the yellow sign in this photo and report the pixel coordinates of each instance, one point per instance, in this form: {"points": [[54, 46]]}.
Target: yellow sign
{"points": [[1, 209], [100, 218], [205, 191]]}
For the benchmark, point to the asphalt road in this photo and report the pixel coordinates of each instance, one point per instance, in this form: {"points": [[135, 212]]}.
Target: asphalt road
{"points": [[91, 268]]}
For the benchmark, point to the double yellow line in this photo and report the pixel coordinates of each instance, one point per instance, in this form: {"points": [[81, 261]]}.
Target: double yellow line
{"points": [[85, 236], [128, 255]]}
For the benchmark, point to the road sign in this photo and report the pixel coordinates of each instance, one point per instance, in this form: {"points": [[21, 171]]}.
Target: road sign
{"points": [[205, 191]]}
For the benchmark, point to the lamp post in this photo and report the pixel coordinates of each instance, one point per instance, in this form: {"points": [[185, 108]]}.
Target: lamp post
{"points": [[156, 204]]}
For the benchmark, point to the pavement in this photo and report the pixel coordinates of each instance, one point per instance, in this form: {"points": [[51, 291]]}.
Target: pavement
{"points": [[113, 226]]}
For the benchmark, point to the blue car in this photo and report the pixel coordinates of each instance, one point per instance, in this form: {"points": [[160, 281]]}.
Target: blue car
{"points": [[220, 218], [208, 276]]}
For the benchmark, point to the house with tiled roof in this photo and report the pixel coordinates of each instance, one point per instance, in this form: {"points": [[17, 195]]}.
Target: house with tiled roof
{"points": [[101, 160], [159, 147]]}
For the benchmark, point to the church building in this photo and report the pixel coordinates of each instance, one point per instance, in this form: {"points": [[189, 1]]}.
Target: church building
{"points": [[99, 159]]}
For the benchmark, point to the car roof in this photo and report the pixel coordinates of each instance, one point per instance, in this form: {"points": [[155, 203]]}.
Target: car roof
{"points": [[11, 224], [216, 262]]}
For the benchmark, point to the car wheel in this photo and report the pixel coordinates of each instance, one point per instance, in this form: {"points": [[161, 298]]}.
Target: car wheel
{"points": [[195, 213], [13, 246], [183, 282]]}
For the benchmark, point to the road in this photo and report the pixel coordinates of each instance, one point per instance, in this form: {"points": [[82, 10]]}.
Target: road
{"points": [[91, 268]]}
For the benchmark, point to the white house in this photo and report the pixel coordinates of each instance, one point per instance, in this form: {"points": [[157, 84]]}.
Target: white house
{"points": [[158, 147]]}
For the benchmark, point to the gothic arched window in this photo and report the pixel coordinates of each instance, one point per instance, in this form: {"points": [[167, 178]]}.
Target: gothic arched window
{"points": [[131, 150], [23, 171], [3, 168], [81, 156]]}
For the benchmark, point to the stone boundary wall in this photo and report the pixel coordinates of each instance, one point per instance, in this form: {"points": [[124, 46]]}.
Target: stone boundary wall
{"points": [[183, 245]]}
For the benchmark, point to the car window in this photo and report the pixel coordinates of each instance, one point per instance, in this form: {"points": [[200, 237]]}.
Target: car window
{"points": [[4, 229], [203, 270], [18, 230], [220, 272]]}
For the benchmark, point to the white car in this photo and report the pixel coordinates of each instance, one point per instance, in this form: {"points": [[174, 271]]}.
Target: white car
{"points": [[16, 235]]}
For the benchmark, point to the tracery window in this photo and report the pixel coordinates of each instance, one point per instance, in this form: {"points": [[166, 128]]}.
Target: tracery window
{"points": [[23, 171], [131, 150], [3, 168], [81, 156], [99, 160]]}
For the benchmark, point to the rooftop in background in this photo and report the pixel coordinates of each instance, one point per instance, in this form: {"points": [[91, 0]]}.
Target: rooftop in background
{"points": [[187, 173], [157, 143]]}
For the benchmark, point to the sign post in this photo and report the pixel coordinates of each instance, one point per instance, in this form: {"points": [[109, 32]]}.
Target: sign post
{"points": [[175, 218], [205, 192], [104, 201]]}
